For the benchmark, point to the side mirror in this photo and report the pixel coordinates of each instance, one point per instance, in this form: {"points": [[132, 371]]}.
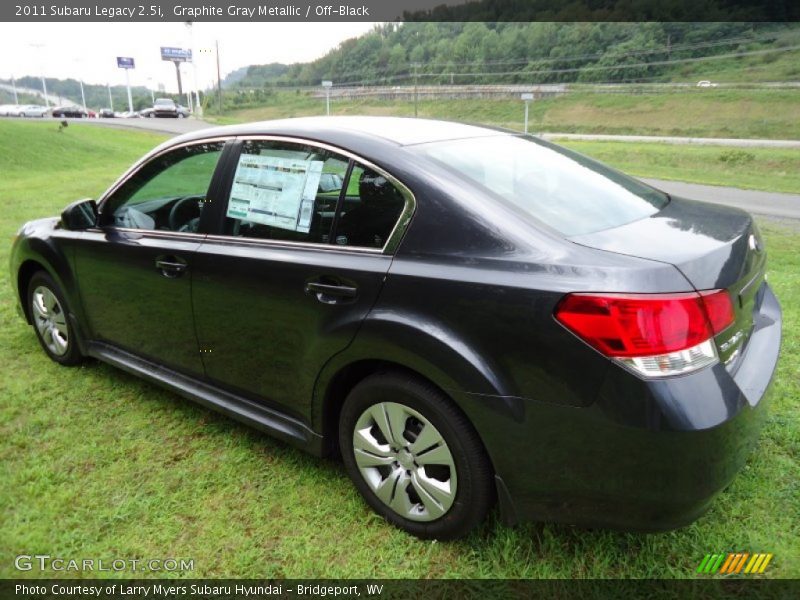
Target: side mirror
{"points": [[80, 215]]}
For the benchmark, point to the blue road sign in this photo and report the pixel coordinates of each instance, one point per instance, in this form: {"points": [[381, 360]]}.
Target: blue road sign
{"points": [[176, 54], [125, 62]]}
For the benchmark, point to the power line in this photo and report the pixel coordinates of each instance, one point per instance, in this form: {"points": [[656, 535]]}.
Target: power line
{"points": [[610, 51], [622, 66]]}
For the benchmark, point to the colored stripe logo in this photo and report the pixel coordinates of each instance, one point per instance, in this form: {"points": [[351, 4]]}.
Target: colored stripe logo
{"points": [[734, 563]]}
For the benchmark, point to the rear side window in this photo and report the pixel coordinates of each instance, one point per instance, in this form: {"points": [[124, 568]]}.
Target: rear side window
{"points": [[302, 193], [563, 189], [370, 210]]}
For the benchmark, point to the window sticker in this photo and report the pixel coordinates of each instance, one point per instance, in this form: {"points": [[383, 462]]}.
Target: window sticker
{"points": [[274, 191]]}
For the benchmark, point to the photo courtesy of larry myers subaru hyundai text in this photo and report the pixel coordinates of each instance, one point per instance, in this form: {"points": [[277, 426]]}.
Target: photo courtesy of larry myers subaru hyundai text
{"points": [[470, 317]]}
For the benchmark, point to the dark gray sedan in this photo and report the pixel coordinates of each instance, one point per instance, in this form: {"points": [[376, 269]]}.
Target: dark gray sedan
{"points": [[469, 317]]}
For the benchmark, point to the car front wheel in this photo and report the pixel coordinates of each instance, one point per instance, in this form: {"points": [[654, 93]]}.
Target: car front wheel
{"points": [[49, 315], [414, 457]]}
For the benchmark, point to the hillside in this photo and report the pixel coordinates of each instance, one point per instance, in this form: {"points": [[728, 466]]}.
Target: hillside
{"points": [[540, 52]]}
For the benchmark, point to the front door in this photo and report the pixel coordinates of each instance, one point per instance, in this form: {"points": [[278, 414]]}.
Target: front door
{"points": [[278, 293], [135, 270]]}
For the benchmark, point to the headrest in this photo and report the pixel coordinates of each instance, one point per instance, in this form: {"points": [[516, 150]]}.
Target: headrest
{"points": [[376, 190]]}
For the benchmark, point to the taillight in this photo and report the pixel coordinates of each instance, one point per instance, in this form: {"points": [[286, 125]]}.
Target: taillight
{"points": [[654, 334]]}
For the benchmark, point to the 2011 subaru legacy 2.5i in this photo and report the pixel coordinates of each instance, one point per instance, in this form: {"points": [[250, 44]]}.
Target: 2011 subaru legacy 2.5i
{"points": [[468, 316]]}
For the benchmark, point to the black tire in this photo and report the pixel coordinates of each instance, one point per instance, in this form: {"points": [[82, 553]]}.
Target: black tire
{"points": [[72, 356], [474, 493]]}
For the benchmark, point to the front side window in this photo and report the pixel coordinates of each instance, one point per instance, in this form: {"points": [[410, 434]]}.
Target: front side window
{"points": [[167, 193], [303, 193]]}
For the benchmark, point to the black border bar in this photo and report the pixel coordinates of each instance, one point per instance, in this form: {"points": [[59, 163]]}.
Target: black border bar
{"points": [[398, 10]]}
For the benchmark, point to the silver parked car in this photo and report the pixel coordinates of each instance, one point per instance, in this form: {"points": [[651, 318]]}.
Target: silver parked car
{"points": [[34, 110]]}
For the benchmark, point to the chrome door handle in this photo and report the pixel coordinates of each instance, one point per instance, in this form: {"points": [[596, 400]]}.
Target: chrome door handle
{"points": [[345, 291], [329, 293], [171, 267]]}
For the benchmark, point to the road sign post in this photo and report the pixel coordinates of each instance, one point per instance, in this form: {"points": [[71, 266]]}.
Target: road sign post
{"points": [[178, 56], [327, 85], [127, 63], [527, 98]]}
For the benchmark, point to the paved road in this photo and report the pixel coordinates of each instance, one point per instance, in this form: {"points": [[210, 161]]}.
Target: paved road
{"points": [[760, 203], [176, 126], [739, 143], [169, 126]]}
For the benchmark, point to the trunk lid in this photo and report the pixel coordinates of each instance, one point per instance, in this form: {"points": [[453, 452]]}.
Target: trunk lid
{"points": [[715, 247]]}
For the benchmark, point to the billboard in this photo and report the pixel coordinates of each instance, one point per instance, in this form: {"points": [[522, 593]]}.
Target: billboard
{"points": [[125, 62], [176, 54]]}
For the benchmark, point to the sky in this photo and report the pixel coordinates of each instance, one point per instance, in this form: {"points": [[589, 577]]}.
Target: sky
{"points": [[89, 50]]}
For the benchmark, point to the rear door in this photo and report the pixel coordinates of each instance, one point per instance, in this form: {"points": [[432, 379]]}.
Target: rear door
{"points": [[135, 270], [277, 291]]}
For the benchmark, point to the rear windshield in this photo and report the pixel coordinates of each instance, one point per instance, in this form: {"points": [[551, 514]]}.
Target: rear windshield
{"points": [[563, 189]]}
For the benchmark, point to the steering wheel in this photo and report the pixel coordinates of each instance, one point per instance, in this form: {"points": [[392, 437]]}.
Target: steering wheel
{"points": [[178, 220]]}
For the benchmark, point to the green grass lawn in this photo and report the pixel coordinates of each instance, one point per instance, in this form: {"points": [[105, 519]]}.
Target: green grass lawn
{"points": [[95, 463], [694, 112], [769, 169]]}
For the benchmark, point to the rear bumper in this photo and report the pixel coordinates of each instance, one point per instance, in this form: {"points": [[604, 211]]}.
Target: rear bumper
{"points": [[648, 455]]}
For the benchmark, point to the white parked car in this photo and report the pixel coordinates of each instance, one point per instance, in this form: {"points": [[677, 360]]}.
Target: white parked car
{"points": [[706, 83], [11, 110], [34, 110]]}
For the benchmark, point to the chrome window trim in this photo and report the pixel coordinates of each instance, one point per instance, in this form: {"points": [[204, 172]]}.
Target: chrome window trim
{"points": [[237, 240], [400, 226], [162, 233], [392, 242]]}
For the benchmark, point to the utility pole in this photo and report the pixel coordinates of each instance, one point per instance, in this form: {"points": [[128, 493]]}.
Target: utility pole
{"points": [[79, 62], [41, 66], [219, 79], [14, 86], [110, 99], [44, 88], [128, 83], [415, 65], [198, 107], [83, 96]]}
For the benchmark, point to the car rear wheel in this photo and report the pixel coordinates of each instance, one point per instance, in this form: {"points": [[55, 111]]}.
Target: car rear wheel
{"points": [[49, 314], [414, 457]]}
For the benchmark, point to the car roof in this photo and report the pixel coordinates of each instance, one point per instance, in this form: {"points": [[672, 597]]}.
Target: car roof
{"points": [[402, 131]]}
